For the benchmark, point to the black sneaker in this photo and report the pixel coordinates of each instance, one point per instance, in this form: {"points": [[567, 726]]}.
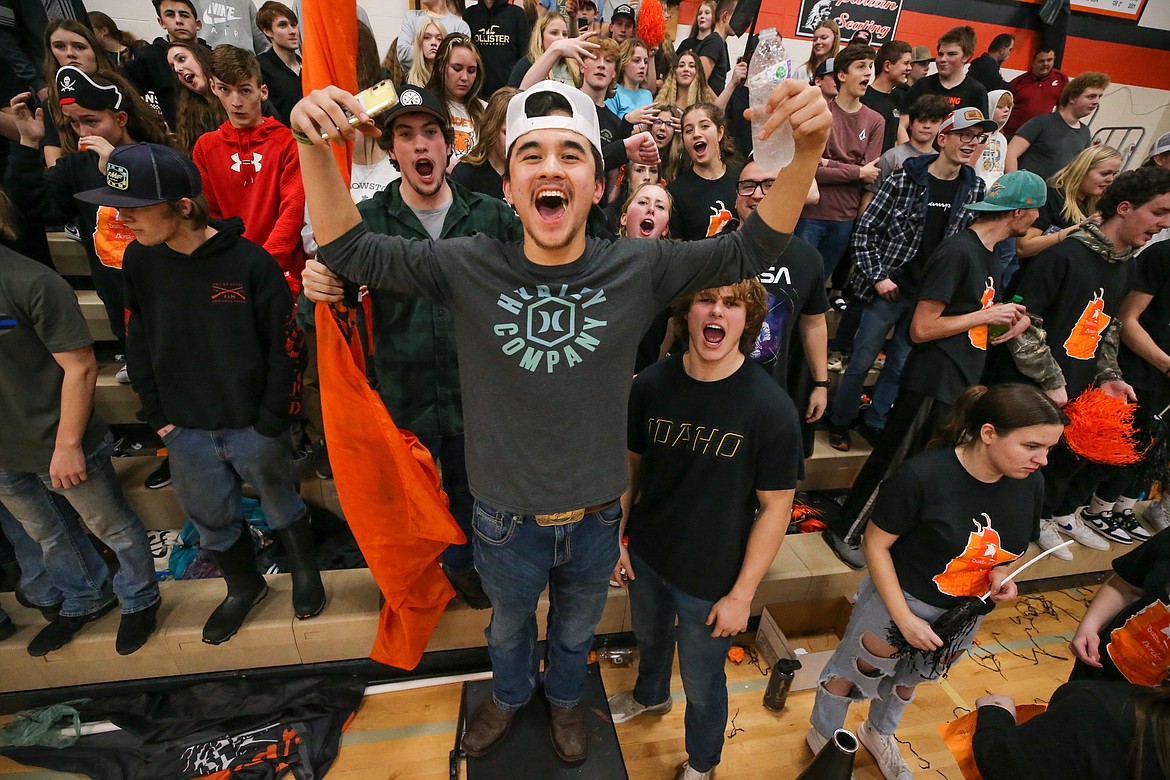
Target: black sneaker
{"points": [[849, 553], [7, 629], [135, 628], [1128, 522], [50, 612], [839, 438], [62, 630], [160, 477], [321, 461], [1105, 524], [869, 433]]}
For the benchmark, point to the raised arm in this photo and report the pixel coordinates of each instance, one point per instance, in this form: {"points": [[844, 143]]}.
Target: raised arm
{"points": [[331, 209]]}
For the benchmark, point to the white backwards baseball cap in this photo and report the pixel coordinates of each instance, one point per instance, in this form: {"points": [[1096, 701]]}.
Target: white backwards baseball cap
{"points": [[583, 120]]}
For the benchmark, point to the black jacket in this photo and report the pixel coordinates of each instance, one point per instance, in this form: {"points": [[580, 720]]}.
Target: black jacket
{"points": [[211, 342]]}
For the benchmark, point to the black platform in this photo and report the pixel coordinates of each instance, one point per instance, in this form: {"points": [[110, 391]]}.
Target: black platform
{"points": [[528, 751]]}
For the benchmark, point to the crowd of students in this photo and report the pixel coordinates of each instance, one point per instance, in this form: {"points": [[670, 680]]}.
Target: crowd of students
{"points": [[487, 215]]}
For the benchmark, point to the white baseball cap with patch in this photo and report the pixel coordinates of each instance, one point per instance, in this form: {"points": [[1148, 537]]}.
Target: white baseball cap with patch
{"points": [[583, 120]]}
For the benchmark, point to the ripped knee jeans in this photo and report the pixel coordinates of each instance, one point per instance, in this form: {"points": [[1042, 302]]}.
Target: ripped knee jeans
{"points": [[874, 676]]}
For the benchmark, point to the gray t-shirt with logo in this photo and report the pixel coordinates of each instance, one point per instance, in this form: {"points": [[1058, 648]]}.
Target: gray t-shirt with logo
{"points": [[545, 351], [39, 316]]}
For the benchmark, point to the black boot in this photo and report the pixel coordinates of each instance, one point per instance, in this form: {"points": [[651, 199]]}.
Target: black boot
{"points": [[308, 592], [245, 588]]}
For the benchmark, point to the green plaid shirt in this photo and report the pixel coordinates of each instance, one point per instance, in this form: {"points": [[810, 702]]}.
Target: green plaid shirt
{"points": [[414, 339]]}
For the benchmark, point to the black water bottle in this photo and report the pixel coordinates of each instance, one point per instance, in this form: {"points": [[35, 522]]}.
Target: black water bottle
{"points": [[779, 683]]}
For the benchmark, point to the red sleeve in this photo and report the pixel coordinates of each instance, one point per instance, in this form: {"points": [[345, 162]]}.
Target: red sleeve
{"points": [[199, 155], [284, 242]]}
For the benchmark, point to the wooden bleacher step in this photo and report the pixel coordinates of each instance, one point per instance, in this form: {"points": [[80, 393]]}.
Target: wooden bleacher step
{"points": [[68, 255], [95, 315]]}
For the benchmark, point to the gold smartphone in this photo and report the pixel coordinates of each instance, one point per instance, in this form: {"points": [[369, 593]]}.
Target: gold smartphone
{"points": [[376, 100]]}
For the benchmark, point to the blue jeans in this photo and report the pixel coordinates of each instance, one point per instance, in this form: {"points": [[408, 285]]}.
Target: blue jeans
{"points": [[70, 560], [877, 317], [209, 468], [516, 558], [831, 238], [654, 605], [448, 452], [37, 583]]}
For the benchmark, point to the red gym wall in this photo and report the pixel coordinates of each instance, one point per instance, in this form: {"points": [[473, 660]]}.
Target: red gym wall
{"points": [[1125, 64]]}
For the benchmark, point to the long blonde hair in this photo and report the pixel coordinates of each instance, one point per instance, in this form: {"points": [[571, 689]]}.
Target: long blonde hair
{"points": [[1067, 181], [698, 92], [835, 28], [420, 72], [536, 45]]}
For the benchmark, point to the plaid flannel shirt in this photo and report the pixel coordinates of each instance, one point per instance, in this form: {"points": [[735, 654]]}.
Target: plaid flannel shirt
{"points": [[414, 340], [888, 234]]}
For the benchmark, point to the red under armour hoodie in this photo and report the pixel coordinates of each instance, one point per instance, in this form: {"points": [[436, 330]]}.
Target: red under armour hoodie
{"points": [[255, 174]]}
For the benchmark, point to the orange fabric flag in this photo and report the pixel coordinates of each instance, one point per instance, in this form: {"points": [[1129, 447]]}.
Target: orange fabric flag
{"points": [[329, 56], [959, 733], [390, 492]]}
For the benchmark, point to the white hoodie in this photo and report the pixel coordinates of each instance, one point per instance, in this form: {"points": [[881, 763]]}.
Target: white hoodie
{"points": [[991, 162]]}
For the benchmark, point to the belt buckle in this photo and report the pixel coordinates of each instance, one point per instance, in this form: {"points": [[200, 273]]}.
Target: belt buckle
{"points": [[560, 518]]}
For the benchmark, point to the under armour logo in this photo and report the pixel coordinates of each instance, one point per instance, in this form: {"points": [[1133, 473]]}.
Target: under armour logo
{"points": [[68, 84], [254, 162], [410, 98]]}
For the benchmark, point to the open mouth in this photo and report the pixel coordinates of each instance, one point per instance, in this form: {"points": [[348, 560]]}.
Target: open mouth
{"points": [[646, 227], [700, 148], [189, 78], [424, 168], [713, 335], [551, 204]]}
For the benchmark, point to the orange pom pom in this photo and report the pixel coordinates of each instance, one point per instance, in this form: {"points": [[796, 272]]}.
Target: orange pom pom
{"points": [[735, 654], [1101, 428], [651, 23]]}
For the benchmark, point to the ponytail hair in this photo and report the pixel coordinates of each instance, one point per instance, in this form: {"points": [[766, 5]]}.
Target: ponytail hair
{"points": [[1004, 407]]}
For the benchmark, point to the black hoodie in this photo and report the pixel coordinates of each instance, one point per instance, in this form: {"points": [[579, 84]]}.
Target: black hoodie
{"points": [[211, 341]]}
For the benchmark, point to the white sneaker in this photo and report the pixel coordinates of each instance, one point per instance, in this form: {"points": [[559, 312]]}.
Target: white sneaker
{"points": [[123, 376], [836, 362], [1073, 528], [624, 707], [1050, 538], [885, 752], [1155, 515], [687, 773], [815, 740]]}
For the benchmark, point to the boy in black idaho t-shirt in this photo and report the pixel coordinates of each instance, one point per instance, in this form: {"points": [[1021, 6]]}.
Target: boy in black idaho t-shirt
{"points": [[714, 453]]}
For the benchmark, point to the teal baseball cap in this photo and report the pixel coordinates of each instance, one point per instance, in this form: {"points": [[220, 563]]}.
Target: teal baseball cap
{"points": [[1015, 190]]}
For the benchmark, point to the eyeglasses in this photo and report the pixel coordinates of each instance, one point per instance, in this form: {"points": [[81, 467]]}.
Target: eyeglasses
{"points": [[661, 122], [748, 186], [976, 138]]}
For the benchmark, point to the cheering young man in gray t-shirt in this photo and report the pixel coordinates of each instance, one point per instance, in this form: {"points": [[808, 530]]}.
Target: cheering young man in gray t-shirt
{"points": [[547, 329]]}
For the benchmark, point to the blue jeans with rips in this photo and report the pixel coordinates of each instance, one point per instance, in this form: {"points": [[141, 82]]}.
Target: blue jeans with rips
{"points": [[654, 606], [516, 559], [209, 468], [877, 317], [70, 560]]}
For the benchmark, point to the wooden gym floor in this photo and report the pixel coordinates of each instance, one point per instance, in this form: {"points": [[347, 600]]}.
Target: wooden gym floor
{"points": [[1022, 651]]}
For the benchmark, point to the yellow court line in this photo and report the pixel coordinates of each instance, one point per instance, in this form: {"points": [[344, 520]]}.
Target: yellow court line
{"points": [[950, 691]]}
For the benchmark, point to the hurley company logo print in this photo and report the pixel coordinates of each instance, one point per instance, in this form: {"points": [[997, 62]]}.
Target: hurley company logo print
{"points": [[550, 327]]}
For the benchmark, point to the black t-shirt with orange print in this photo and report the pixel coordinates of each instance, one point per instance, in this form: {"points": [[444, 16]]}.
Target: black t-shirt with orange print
{"points": [[702, 206], [962, 274], [952, 528], [1077, 293]]}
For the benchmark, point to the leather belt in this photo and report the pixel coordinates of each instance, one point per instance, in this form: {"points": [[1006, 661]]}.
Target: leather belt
{"points": [[571, 516]]}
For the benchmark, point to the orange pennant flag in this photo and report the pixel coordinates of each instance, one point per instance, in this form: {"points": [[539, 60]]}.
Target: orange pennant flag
{"points": [[329, 56], [390, 492]]}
